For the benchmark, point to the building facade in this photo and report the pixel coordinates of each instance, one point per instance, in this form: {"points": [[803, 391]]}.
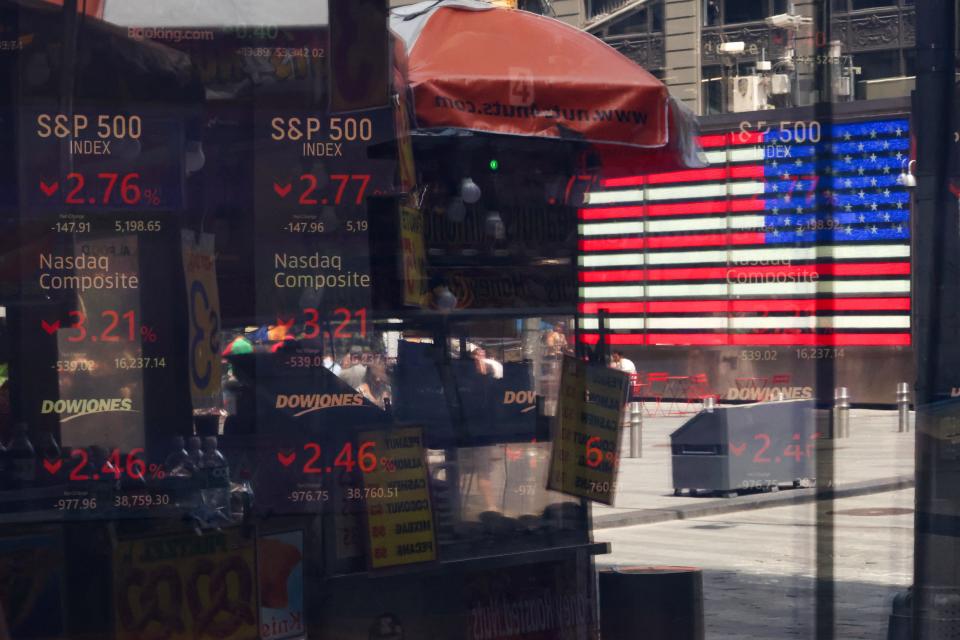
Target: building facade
{"points": [[682, 42], [671, 257], [570, 11]]}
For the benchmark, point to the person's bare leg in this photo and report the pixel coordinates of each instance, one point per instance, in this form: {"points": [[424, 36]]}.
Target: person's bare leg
{"points": [[486, 491]]}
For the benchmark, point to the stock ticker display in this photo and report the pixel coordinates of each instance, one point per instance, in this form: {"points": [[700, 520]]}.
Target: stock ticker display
{"points": [[232, 393], [133, 330]]}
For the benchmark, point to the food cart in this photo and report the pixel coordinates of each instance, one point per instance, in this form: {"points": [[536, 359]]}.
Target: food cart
{"points": [[274, 371]]}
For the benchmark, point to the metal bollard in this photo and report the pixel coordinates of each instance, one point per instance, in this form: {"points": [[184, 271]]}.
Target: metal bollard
{"points": [[709, 404], [903, 406], [778, 395], [841, 412], [636, 430]]}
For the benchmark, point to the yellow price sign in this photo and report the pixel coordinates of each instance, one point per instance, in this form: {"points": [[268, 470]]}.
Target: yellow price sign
{"points": [[586, 442], [414, 255], [397, 493], [203, 304]]}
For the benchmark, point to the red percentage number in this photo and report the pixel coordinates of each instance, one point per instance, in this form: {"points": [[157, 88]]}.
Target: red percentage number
{"points": [[126, 323], [595, 456], [116, 465], [311, 324], [365, 458], [792, 450], [125, 185], [311, 184]]}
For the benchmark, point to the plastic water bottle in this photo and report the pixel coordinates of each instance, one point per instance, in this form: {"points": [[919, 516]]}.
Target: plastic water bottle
{"points": [[21, 457], [99, 464], [194, 453], [4, 479], [48, 447], [49, 451], [217, 472], [241, 496], [177, 464]]}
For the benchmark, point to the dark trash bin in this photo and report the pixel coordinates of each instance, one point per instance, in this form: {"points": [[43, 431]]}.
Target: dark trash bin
{"points": [[653, 603], [746, 447], [900, 626]]}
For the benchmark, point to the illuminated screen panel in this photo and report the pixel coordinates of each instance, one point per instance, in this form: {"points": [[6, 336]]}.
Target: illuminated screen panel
{"points": [[180, 13], [119, 160], [98, 353], [199, 322], [742, 252], [313, 286]]}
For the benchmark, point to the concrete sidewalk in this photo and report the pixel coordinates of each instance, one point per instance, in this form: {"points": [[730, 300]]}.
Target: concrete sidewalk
{"points": [[874, 458]]}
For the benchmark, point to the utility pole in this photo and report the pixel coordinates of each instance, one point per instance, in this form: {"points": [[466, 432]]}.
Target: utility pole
{"points": [[936, 330], [824, 372]]}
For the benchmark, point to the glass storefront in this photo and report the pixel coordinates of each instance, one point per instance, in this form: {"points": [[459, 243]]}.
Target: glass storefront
{"points": [[469, 319]]}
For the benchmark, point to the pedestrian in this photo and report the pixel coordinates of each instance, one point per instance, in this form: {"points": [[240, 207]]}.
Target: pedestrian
{"points": [[487, 366], [331, 365], [617, 361], [356, 371], [376, 386], [556, 341]]}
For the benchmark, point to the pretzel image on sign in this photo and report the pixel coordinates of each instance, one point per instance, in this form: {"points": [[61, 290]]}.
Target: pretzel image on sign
{"points": [[186, 587]]}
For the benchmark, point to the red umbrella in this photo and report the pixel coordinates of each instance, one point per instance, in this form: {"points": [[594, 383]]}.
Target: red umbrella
{"points": [[478, 67]]}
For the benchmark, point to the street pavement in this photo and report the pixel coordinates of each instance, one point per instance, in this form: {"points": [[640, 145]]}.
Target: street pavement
{"points": [[875, 458], [759, 567]]}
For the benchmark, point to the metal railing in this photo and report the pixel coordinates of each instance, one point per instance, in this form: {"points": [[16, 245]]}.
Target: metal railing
{"points": [[603, 7]]}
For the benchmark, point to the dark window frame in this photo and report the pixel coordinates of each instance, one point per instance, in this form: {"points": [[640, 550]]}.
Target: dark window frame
{"points": [[770, 8], [643, 42], [645, 24], [652, 8], [846, 6]]}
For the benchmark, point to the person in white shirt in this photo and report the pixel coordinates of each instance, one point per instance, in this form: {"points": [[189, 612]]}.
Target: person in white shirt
{"points": [[331, 366], [617, 361], [487, 366]]}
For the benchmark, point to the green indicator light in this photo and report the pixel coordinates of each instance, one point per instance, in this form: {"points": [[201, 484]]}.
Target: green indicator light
{"points": [[494, 165]]}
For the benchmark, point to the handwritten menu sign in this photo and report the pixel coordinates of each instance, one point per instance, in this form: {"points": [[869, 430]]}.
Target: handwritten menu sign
{"points": [[397, 493], [586, 447]]}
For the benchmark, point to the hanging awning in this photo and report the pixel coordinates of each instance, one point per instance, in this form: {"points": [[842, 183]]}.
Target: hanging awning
{"points": [[477, 67]]}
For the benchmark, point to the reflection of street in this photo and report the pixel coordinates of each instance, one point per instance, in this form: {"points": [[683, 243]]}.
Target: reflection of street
{"points": [[759, 566], [509, 479], [757, 553], [874, 455]]}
